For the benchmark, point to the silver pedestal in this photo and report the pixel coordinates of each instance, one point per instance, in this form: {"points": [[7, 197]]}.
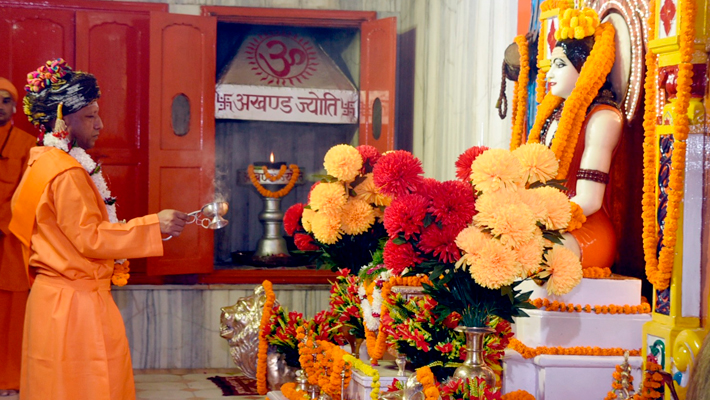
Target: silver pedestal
{"points": [[272, 242]]}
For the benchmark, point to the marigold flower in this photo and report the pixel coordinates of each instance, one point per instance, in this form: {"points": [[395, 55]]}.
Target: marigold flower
{"points": [[400, 256], [307, 218], [369, 192], [463, 163], [326, 228], [453, 203], [565, 270], [514, 225], [398, 173], [538, 162], [496, 169], [343, 161], [406, 215], [357, 217], [292, 218], [529, 254], [328, 197], [495, 266], [559, 210]]}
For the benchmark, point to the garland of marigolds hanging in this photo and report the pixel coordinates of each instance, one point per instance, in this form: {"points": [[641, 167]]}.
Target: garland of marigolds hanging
{"points": [[426, 378], [520, 96], [279, 193], [530, 352], [659, 267], [591, 79], [261, 386]]}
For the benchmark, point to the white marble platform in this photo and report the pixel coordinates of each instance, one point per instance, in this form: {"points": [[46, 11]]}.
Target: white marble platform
{"points": [[616, 289], [549, 377], [177, 326]]}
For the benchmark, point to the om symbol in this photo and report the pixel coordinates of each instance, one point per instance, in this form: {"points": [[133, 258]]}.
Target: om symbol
{"points": [[282, 57]]}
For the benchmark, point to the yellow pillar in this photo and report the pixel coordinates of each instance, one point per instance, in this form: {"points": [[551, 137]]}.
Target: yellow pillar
{"points": [[675, 332]]}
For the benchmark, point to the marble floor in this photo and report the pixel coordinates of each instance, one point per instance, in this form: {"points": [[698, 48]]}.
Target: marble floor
{"points": [[169, 384]]}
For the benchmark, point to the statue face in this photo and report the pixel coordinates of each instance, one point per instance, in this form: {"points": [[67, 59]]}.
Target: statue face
{"points": [[562, 76]]}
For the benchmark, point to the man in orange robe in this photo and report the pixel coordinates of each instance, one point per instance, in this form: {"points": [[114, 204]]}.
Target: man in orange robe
{"points": [[74, 343], [15, 146]]}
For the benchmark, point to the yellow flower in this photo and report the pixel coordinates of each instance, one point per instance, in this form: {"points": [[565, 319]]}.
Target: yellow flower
{"points": [[496, 169], [559, 210], [369, 192], [326, 227], [343, 162], [471, 239], [488, 205], [495, 266], [306, 218], [529, 254], [357, 217], [565, 270], [328, 197], [538, 162], [514, 225], [533, 199]]}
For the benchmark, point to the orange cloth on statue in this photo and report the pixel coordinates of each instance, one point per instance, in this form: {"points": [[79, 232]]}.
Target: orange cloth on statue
{"points": [[596, 237], [74, 344], [15, 146]]}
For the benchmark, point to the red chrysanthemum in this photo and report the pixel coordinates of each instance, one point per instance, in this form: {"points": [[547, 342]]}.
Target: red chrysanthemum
{"points": [[463, 164], [292, 218], [453, 204], [370, 155], [441, 242], [400, 256], [406, 215], [305, 242], [398, 173], [428, 188]]}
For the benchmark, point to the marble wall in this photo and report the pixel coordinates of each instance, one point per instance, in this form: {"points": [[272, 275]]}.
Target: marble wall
{"points": [[177, 326]]}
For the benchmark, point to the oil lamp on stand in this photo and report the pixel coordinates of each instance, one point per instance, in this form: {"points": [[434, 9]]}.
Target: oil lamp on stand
{"points": [[273, 180]]}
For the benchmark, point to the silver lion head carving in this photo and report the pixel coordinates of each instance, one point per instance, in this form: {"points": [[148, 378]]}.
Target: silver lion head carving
{"points": [[412, 390], [239, 324]]}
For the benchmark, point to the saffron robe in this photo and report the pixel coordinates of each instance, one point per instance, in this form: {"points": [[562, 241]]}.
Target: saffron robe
{"points": [[15, 145], [74, 342]]}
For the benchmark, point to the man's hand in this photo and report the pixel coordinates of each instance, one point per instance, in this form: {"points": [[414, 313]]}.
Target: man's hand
{"points": [[172, 222]]}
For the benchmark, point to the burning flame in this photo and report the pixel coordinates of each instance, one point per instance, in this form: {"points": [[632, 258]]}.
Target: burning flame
{"points": [[271, 157]]}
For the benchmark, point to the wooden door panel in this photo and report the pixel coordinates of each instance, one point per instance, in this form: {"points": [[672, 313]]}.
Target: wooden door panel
{"points": [[378, 52], [29, 38], [114, 47], [181, 169]]}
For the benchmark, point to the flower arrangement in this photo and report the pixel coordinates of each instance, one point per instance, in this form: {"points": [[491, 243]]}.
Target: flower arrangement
{"points": [[342, 220], [280, 332], [469, 389], [345, 304], [368, 371]]}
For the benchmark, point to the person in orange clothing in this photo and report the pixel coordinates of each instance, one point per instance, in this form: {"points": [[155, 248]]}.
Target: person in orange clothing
{"points": [[15, 146], [74, 342]]}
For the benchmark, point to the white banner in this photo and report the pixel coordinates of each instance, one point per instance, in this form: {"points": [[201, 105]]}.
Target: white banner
{"points": [[264, 103]]}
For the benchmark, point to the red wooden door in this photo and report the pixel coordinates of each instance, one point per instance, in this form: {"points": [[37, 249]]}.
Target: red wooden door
{"points": [[378, 63], [29, 38], [181, 144]]}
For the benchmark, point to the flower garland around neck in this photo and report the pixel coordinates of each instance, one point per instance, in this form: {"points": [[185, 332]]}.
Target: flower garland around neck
{"points": [[371, 300], [659, 268], [368, 371], [59, 139], [261, 386], [289, 390], [426, 378], [591, 79], [279, 193], [520, 96], [377, 343], [643, 308], [529, 352]]}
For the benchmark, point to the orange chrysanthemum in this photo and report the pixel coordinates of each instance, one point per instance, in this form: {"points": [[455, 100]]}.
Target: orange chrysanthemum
{"points": [[471, 239], [529, 254], [328, 197], [369, 192], [488, 205], [538, 162], [495, 266], [326, 228], [514, 225], [565, 270], [496, 169], [533, 199], [357, 217], [559, 210], [343, 162], [307, 218]]}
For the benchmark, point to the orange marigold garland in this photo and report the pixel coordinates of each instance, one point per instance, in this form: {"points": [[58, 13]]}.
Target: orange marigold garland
{"points": [[617, 383], [652, 382], [529, 352], [274, 178], [578, 218], [428, 382], [596, 272], [261, 386], [279, 193], [659, 269], [289, 390], [518, 395], [520, 97], [643, 308]]}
